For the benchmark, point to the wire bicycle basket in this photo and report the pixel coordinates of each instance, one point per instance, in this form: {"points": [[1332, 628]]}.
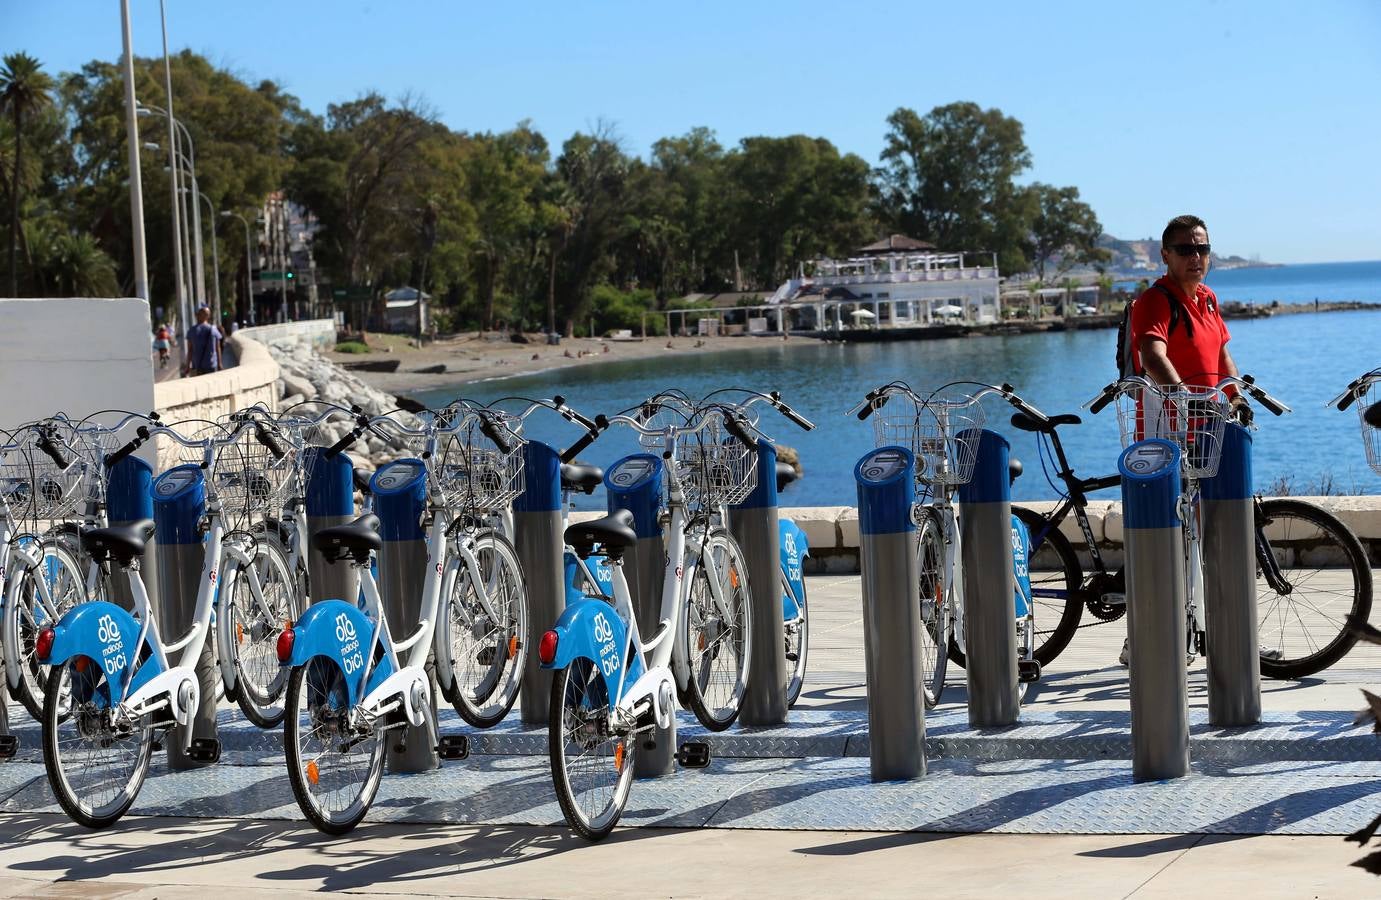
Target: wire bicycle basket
{"points": [[474, 474], [35, 487], [1364, 397], [713, 466], [1191, 416], [942, 432]]}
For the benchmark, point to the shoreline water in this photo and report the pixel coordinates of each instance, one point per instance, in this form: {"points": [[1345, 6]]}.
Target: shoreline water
{"points": [[471, 359]]}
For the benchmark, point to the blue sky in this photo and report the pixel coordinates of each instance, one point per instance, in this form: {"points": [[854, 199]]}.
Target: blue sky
{"points": [[1263, 117]]}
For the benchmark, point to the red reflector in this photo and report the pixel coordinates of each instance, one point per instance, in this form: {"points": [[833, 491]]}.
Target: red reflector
{"points": [[43, 645], [285, 645], [546, 649]]}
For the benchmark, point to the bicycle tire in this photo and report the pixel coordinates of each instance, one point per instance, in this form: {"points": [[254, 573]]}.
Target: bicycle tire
{"points": [[317, 700], [1280, 614], [77, 731], [24, 619], [494, 654], [718, 651], [797, 644], [578, 720], [254, 631], [937, 619]]}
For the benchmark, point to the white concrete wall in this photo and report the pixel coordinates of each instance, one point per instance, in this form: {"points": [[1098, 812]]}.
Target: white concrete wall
{"points": [[320, 332], [253, 380], [75, 355]]}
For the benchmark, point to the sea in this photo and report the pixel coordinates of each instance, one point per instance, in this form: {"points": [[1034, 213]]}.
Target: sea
{"points": [[1305, 359]]}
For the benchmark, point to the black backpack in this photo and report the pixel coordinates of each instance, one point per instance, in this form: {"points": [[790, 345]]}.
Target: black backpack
{"points": [[1124, 330]]}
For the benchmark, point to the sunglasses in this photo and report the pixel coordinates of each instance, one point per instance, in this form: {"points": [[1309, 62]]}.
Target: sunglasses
{"points": [[1190, 249]]}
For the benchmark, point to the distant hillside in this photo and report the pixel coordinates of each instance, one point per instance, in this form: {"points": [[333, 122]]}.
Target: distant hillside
{"points": [[1144, 255]]}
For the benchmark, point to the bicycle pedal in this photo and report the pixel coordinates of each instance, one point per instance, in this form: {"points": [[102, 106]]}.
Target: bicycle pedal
{"points": [[9, 745], [693, 755], [453, 746], [204, 750], [1028, 671]]}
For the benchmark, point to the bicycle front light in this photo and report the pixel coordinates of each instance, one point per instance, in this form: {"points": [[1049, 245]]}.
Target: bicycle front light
{"points": [[43, 644], [546, 650], [285, 645]]}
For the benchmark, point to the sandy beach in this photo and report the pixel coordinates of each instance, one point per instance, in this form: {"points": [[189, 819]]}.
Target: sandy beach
{"points": [[468, 358]]}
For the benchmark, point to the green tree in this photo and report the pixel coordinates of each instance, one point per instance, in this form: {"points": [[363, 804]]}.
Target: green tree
{"points": [[947, 177], [502, 175], [595, 170], [24, 90], [74, 265], [1063, 227]]}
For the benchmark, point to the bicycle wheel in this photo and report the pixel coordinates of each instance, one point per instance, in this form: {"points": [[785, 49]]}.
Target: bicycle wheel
{"points": [[96, 764], [1311, 574], [488, 652], [335, 753], [591, 765], [27, 613], [718, 640], [937, 640], [254, 628], [797, 644]]}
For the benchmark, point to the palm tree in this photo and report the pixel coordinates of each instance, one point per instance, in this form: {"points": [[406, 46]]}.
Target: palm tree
{"points": [[23, 90], [76, 266]]}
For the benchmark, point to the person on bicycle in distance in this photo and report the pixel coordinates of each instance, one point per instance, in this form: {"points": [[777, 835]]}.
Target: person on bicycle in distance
{"points": [[1178, 336]]}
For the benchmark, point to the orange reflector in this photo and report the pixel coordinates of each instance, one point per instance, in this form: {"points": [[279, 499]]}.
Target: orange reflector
{"points": [[733, 577], [313, 773], [513, 646], [239, 633], [80, 663], [618, 758], [700, 642]]}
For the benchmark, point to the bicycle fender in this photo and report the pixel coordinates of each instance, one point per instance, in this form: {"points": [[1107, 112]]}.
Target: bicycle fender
{"points": [[599, 567], [592, 630], [105, 633], [1021, 571], [794, 549], [341, 633]]}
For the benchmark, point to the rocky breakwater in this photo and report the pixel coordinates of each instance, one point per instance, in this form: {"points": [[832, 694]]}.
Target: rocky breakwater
{"points": [[305, 375]]}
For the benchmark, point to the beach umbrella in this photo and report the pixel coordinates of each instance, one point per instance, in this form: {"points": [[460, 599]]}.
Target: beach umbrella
{"points": [[949, 309], [863, 314]]}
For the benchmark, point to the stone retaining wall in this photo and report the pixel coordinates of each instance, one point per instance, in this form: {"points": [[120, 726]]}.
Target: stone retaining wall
{"points": [[833, 530], [319, 333]]}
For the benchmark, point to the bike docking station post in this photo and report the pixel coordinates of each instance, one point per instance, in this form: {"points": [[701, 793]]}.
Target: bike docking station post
{"points": [[1233, 651], [539, 544], [754, 524], [634, 483], [330, 502], [891, 615], [179, 503], [129, 499], [400, 502], [990, 628], [1154, 550]]}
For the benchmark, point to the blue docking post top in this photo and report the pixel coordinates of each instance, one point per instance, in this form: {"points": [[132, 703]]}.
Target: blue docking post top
{"points": [[891, 613], [1154, 545], [400, 502], [634, 483], [129, 498], [330, 501], [1230, 614], [754, 524], [179, 502], [990, 632], [539, 543]]}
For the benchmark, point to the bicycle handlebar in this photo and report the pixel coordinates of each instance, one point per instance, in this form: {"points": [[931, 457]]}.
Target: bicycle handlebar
{"points": [[1355, 389], [1138, 382], [596, 428], [50, 448], [141, 435]]}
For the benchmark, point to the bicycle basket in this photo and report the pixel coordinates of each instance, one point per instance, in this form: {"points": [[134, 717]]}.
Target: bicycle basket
{"points": [[246, 477], [37, 488], [943, 433], [713, 467], [1365, 397], [1192, 417], [474, 474]]}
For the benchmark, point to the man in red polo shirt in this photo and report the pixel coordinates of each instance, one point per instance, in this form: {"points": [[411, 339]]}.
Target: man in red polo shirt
{"points": [[1189, 346]]}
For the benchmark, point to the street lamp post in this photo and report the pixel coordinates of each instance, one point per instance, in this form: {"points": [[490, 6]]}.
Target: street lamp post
{"points": [[183, 309], [215, 258], [249, 266], [196, 279], [136, 182]]}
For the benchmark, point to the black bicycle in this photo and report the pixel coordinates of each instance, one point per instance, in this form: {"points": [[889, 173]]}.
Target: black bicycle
{"points": [[1311, 571]]}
